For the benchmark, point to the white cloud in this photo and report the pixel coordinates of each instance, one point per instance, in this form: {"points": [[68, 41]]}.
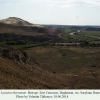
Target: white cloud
{"points": [[66, 6], [69, 3], [9, 4], [93, 2]]}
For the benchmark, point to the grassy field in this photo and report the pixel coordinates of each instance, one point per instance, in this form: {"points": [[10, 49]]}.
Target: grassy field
{"points": [[65, 59], [79, 66]]}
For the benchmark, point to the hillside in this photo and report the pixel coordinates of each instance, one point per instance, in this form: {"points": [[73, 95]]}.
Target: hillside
{"points": [[22, 29], [17, 33], [18, 71], [18, 22]]}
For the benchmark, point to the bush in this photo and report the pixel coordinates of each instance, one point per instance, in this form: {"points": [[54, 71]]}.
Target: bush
{"points": [[11, 42]]}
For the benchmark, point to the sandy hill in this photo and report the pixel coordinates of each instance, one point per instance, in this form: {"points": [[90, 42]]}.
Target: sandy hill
{"points": [[18, 22]]}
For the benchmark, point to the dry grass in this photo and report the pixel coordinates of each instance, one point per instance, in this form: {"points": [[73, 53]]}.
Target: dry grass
{"points": [[63, 59], [16, 76], [57, 74]]}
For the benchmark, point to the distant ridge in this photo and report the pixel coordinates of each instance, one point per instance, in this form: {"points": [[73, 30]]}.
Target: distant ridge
{"points": [[18, 22]]}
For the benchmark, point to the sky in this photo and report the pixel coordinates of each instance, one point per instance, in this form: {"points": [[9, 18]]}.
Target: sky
{"points": [[63, 12]]}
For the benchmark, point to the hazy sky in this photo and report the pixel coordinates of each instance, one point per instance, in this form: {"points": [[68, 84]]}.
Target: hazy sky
{"points": [[68, 12]]}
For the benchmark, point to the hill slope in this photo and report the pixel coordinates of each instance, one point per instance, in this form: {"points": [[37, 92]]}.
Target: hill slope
{"points": [[16, 33], [18, 22], [18, 71], [16, 29]]}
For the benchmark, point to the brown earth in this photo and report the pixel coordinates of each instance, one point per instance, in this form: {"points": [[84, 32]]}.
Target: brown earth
{"points": [[19, 71]]}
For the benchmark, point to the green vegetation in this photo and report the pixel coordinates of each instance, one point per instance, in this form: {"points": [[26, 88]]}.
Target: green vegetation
{"points": [[81, 36]]}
